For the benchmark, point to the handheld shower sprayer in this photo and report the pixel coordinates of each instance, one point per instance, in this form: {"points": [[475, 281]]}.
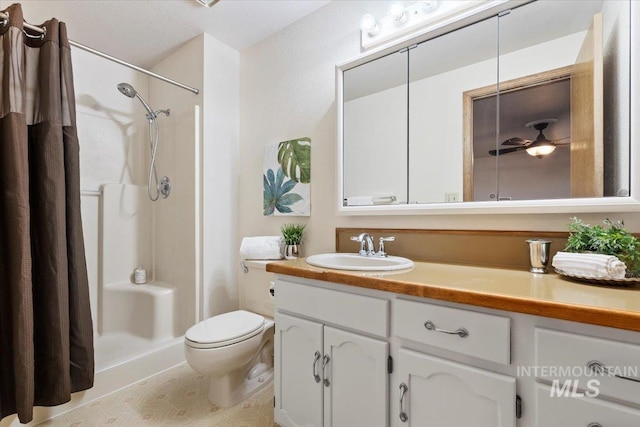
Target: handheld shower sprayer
{"points": [[163, 186], [127, 90]]}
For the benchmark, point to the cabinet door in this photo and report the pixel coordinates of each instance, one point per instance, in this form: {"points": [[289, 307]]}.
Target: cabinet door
{"points": [[440, 393], [298, 394], [356, 380]]}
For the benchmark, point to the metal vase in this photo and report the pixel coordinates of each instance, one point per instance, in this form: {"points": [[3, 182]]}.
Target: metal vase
{"points": [[293, 251], [539, 255]]}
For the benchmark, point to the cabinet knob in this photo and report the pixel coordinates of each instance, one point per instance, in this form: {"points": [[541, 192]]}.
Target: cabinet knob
{"points": [[594, 425], [403, 390]]}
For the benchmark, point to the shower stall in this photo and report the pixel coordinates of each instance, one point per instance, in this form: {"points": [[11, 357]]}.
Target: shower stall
{"points": [[134, 215]]}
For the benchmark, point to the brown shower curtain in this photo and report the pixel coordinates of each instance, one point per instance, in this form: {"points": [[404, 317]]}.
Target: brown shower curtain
{"points": [[46, 338]]}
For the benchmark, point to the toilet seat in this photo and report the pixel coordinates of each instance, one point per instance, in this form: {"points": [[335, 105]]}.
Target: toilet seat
{"points": [[224, 329]]}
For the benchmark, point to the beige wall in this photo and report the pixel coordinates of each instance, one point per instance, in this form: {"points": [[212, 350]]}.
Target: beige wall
{"points": [[288, 91]]}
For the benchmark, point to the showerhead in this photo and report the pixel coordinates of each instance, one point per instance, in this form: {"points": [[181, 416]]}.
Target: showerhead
{"points": [[127, 90]]}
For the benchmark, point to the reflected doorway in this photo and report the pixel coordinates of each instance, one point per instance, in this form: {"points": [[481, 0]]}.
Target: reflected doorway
{"points": [[506, 165]]}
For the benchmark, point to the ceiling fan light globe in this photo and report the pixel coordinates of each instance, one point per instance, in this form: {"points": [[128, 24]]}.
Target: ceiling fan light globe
{"points": [[540, 150]]}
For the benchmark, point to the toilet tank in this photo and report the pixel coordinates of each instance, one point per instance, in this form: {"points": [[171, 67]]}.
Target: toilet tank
{"points": [[254, 288]]}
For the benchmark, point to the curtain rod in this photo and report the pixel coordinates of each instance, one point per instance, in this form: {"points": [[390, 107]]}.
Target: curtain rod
{"points": [[5, 16]]}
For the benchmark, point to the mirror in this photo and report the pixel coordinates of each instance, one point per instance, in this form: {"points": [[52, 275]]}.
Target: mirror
{"points": [[529, 105]]}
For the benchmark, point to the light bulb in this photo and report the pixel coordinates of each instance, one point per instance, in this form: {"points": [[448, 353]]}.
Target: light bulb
{"points": [[397, 12], [369, 25], [429, 6]]}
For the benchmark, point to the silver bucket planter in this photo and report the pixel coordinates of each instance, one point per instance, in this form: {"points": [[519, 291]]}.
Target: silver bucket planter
{"points": [[293, 251]]}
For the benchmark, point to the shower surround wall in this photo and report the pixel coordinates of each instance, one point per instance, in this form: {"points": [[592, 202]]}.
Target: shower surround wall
{"points": [[119, 218], [215, 68]]}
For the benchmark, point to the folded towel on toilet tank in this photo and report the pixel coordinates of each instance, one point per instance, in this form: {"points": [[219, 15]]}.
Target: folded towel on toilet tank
{"points": [[262, 247]]}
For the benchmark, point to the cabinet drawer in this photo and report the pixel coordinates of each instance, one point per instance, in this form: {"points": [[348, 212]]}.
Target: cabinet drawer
{"points": [[566, 356], [488, 336], [564, 411], [358, 312]]}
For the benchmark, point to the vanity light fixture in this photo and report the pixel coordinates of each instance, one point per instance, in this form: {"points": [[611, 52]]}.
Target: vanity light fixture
{"points": [[404, 20], [397, 13], [369, 25], [429, 6], [208, 3]]}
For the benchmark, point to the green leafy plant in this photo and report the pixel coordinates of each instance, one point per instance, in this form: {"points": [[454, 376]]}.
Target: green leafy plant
{"points": [[292, 233], [275, 193], [610, 239], [295, 159]]}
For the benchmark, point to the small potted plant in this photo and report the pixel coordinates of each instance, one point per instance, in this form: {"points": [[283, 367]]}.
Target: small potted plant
{"points": [[292, 234], [612, 239]]}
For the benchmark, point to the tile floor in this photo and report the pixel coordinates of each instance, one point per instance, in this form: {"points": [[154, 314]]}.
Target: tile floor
{"points": [[177, 397]]}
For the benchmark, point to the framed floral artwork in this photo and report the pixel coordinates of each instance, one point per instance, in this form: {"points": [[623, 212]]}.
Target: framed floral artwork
{"points": [[286, 178]]}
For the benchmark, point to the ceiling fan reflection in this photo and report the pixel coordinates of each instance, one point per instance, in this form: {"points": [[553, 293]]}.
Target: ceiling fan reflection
{"points": [[539, 147]]}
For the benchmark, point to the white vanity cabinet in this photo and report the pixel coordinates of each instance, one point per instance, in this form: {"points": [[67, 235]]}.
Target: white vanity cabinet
{"points": [[347, 356], [435, 392], [326, 375]]}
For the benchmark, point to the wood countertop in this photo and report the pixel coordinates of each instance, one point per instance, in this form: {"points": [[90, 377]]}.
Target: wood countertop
{"points": [[546, 295]]}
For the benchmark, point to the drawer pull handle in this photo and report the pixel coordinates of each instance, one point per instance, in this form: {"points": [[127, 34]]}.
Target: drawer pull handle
{"points": [[600, 368], [594, 425], [403, 391], [461, 332], [315, 366], [325, 362]]}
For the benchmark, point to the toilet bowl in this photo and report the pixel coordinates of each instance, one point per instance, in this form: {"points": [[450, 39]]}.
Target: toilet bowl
{"points": [[235, 350]]}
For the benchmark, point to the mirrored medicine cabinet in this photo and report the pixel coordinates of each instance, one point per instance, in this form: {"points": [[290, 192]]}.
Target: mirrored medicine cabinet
{"points": [[529, 107]]}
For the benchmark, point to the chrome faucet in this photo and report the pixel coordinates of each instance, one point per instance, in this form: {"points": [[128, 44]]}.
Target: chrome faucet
{"points": [[366, 244], [367, 247]]}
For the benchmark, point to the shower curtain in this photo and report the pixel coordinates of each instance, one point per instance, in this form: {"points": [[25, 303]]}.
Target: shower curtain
{"points": [[46, 338]]}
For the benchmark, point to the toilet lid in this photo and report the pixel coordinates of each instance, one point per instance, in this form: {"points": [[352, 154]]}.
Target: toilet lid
{"points": [[225, 329]]}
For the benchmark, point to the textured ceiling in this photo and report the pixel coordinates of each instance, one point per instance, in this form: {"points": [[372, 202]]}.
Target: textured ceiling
{"points": [[145, 31]]}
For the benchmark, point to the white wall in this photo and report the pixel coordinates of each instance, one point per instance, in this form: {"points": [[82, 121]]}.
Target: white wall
{"points": [[288, 90], [220, 173], [377, 135]]}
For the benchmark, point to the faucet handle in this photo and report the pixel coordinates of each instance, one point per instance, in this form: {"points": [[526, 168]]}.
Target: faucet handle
{"points": [[359, 239], [381, 241]]}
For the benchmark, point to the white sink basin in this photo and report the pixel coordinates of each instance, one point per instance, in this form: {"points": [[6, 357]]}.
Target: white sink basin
{"points": [[339, 261]]}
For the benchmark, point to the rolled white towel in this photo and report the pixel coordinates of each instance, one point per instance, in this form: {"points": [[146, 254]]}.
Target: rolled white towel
{"points": [[371, 200], [359, 201], [594, 265], [261, 247]]}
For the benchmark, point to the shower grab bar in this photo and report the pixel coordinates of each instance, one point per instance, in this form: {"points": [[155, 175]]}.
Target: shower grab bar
{"points": [[96, 193], [5, 16]]}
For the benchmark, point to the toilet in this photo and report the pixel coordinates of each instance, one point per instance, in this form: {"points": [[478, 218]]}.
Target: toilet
{"points": [[234, 350]]}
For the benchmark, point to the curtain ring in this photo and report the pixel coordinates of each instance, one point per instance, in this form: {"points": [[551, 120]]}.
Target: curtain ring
{"points": [[4, 21], [39, 36]]}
